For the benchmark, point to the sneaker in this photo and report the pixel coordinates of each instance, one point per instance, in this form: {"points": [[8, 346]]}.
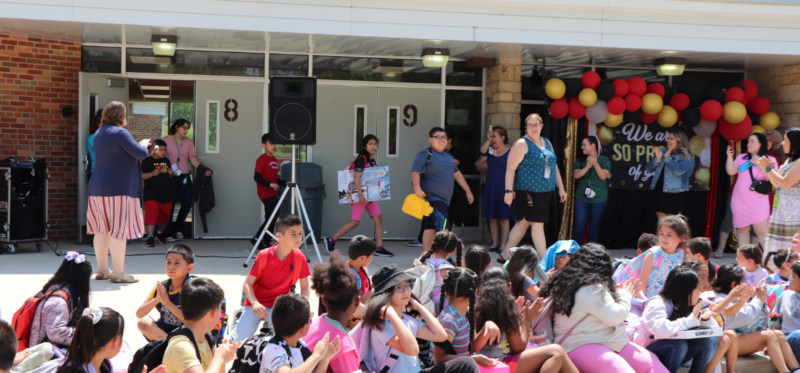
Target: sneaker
{"points": [[329, 244], [170, 239], [383, 252], [151, 242], [179, 236], [414, 243], [162, 238]]}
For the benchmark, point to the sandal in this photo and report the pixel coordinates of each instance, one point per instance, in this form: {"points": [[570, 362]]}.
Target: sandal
{"points": [[718, 254], [123, 278], [500, 259], [103, 275]]}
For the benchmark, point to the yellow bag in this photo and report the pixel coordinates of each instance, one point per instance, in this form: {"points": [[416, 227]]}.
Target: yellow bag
{"points": [[416, 207]]}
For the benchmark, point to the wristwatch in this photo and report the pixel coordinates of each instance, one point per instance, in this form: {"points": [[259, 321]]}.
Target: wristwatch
{"points": [[509, 191], [768, 169]]}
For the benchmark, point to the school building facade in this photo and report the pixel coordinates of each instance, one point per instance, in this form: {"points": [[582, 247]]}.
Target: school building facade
{"points": [[368, 58]]}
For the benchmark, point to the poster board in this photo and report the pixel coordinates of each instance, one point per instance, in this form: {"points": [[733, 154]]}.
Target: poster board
{"points": [[374, 185]]}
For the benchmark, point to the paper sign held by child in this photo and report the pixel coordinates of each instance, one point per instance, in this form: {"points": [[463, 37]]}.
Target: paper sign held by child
{"points": [[374, 185]]}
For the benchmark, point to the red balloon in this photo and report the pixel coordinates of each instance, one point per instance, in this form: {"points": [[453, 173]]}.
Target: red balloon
{"points": [[711, 110], [649, 118], [637, 86], [616, 105], [559, 108], [758, 106], [590, 79], [750, 89], [620, 87], [656, 88], [735, 132], [633, 102], [734, 94], [679, 102], [576, 110]]}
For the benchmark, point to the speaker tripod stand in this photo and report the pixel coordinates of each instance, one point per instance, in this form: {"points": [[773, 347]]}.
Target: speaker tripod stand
{"points": [[297, 202]]}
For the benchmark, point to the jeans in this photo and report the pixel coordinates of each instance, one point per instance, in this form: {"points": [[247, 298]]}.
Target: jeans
{"points": [[184, 191], [463, 364], [794, 342], [591, 212], [247, 325], [674, 352], [269, 205]]}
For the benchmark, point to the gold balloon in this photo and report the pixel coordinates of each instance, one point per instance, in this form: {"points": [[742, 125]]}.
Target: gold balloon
{"points": [[667, 117], [555, 88], [697, 144], [757, 128], [605, 135], [652, 103], [734, 112], [587, 97], [703, 176], [613, 120], [769, 121]]}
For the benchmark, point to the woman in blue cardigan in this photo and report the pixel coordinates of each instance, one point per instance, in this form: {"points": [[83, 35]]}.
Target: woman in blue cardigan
{"points": [[671, 169], [115, 193]]}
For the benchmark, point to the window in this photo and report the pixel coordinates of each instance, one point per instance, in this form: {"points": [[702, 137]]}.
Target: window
{"points": [[212, 129], [288, 65], [196, 63], [375, 70], [392, 132], [360, 127], [458, 74], [101, 60]]}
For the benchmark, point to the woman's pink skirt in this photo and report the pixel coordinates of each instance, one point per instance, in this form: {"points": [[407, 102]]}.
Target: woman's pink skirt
{"points": [[121, 216]]}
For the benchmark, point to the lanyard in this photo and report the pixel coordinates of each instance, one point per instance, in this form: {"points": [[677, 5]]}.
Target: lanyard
{"points": [[179, 149], [540, 149]]}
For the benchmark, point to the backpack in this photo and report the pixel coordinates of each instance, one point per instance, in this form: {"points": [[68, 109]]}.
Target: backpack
{"points": [[167, 285], [23, 318], [362, 336], [619, 268], [248, 355], [353, 163], [542, 326], [634, 326], [152, 354], [423, 287]]}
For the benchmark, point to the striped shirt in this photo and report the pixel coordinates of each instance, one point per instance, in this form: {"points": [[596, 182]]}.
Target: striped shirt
{"points": [[457, 325]]}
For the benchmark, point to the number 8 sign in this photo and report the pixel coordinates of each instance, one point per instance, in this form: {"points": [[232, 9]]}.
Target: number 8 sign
{"points": [[231, 113]]}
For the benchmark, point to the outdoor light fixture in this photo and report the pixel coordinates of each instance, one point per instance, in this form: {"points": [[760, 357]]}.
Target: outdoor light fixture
{"points": [[164, 45], [670, 65], [435, 57]]}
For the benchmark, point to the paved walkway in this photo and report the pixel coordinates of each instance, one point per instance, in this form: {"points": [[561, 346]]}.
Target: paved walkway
{"points": [[23, 274]]}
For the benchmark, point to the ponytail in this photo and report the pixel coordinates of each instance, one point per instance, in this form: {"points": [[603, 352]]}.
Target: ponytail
{"points": [[95, 329], [446, 242]]}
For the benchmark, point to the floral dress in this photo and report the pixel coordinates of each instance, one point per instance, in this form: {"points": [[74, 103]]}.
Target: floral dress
{"points": [[785, 221], [658, 274]]}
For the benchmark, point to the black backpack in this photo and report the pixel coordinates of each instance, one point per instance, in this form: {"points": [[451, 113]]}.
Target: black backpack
{"points": [[248, 356], [152, 354]]}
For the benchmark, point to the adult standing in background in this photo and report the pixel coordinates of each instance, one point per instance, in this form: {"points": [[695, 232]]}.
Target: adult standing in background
{"points": [[785, 220], [591, 171], [499, 214], [671, 169], [94, 124], [749, 207], [115, 193], [531, 176], [180, 151]]}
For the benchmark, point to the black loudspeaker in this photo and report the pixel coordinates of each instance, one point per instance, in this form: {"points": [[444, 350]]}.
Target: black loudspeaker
{"points": [[293, 110], [23, 200]]}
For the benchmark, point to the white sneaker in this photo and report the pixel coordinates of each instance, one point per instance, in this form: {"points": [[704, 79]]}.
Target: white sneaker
{"points": [[170, 239], [179, 236], [414, 243]]}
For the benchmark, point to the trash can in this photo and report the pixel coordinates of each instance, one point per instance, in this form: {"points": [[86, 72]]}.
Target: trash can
{"points": [[308, 177]]}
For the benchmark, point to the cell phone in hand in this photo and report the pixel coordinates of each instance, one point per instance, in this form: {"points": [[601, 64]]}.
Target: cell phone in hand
{"points": [[730, 143]]}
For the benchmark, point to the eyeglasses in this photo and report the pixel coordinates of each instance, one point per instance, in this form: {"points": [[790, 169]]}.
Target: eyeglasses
{"points": [[439, 137], [403, 288], [185, 127], [534, 125]]}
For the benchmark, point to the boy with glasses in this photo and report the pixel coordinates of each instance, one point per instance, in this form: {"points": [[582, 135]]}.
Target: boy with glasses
{"points": [[433, 175]]}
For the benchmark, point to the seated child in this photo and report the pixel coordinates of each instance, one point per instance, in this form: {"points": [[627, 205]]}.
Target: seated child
{"points": [[787, 306], [360, 251], [477, 258], [8, 347], [652, 268], [749, 258], [179, 263], [286, 353], [275, 271], [646, 241], [558, 255], [156, 172], [521, 266], [444, 245], [201, 301], [338, 290], [781, 263], [699, 248]]}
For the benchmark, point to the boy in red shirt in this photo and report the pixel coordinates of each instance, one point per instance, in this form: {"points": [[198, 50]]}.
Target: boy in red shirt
{"points": [[361, 250], [266, 177], [274, 273]]}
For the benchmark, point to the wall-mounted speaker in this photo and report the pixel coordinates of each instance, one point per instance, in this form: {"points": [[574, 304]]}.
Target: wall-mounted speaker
{"points": [[293, 110]]}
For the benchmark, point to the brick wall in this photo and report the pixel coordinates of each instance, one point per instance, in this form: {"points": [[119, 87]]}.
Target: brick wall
{"points": [[143, 126], [38, 77], [781, 86]]}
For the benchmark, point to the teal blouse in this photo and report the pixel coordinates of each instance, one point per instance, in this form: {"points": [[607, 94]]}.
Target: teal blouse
{"points": [[530, 172]]}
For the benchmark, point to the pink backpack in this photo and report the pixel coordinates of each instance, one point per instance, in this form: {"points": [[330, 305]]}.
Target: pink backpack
{"points": [[353, 163]]}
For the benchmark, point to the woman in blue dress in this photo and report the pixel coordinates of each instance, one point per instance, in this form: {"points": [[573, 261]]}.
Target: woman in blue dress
{"points": [[495, 149]]}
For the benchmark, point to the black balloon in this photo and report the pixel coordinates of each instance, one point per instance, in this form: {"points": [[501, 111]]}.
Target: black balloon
{"points": [[690, 117], [574, 87], [667, 94], [632, 116], [605, 91], [696, 95], [754, 118], [714, 93], [737, 84]]}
